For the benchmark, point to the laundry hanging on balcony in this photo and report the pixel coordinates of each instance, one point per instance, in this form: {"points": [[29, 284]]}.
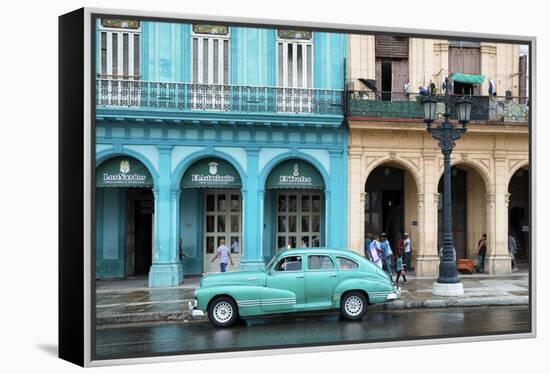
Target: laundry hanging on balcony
{"points": [[467, 78]]}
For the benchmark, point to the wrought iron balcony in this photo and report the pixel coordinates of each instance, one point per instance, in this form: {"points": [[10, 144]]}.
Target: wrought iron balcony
{"points": [[401, 105], [171, 96]]}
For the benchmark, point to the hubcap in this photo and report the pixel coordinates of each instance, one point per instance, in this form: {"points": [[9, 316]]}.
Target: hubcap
{"points": [[223, 311], [353, 305]]}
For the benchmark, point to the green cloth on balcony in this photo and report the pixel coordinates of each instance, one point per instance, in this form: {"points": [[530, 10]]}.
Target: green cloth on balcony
{"points": [[468, 78]]}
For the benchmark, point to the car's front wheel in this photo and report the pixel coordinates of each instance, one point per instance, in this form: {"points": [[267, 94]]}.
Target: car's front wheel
{"points": [[353, 305], [223, 311]]}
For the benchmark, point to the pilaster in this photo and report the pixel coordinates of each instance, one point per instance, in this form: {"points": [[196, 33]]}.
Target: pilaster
{"points": [[356, 191], [253, 218], [166, 270], [498, 259]]}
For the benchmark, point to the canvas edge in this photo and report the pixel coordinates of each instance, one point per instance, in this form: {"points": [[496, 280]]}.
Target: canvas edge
{"points": [[319, 25]]}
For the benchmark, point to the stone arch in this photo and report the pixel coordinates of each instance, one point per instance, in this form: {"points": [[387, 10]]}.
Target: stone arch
{"points": [[477, 166], [396, 162], [110, 153], [476, 202], [520, 165], [268, 168], [182, 166]]}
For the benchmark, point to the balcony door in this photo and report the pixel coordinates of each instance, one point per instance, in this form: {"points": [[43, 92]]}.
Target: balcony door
{"points": [[294, 71], [119, 62], [210, 67]]}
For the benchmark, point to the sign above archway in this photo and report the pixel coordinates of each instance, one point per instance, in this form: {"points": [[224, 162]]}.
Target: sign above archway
{"points": [[123, 171], [295, 174], [211, 173]]}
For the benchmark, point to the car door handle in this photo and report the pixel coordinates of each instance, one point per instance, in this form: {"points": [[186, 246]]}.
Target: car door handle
{"points": [[333, 275], [299, 277]]}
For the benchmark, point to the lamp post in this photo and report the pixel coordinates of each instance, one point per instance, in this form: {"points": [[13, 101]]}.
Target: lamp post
{"points": [[447, 283]]}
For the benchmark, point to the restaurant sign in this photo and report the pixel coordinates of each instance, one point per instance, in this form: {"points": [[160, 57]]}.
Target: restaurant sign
{"points": [[211, 173], [123, 172], [295, 174]]}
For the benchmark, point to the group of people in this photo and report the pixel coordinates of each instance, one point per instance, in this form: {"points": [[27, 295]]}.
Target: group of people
{"points": [[482, 253], [379, 251]]}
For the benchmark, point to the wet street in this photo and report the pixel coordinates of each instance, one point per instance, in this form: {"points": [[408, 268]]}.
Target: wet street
{"points": [[195, 337]]}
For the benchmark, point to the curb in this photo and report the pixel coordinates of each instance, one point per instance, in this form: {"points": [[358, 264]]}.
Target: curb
{"points": [[464, 302], [184, 316]]}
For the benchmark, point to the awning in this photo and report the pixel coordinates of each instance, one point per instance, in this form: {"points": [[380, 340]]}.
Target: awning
{"points": [[370, 83], [211, 173], [123, 171], [467, 78], [295, 174]]}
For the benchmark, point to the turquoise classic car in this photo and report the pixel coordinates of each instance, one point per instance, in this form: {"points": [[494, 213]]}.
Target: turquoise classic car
{"points": [[295, 280]]}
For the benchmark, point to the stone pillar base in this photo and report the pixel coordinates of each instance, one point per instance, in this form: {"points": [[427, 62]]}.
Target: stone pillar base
{"points": [[427, 266], [498, 264], [447, 289], [252, 265], [166, 275]]}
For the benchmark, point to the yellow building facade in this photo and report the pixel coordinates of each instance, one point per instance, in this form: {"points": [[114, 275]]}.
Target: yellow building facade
{"points": [[395, 166]]}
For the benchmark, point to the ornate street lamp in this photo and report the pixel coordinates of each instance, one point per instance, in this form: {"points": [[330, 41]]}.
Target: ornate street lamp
{"points": [[447, 283]]}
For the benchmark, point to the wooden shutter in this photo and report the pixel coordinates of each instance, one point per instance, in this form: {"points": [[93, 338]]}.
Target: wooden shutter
{"points": [[464, 60], [391, 46]]}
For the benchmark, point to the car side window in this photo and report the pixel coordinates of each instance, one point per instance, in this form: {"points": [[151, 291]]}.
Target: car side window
{"points": [[290, 263], [346, 264], [319, 262]]}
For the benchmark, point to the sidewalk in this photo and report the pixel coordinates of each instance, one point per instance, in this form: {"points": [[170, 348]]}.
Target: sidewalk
{"points": [[131, 301]]}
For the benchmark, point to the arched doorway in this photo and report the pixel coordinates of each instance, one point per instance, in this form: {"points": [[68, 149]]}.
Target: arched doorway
{"points": [[124, 218], [294, 207], [211, 212], [391, 204], [519, 213], [469, 210]]}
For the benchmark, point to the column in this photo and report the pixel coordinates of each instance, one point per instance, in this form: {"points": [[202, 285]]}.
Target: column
{"points": [[335, 209], [355, 214], [425, 257], [362, 197], [166, 270], [252, 257], [498, 259]]}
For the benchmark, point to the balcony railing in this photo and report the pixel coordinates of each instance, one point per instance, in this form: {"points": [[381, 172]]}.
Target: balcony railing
{"points": [[401, 105], [171, 96]]}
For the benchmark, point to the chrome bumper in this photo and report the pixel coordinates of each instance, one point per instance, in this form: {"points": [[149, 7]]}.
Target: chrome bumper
{"points": [[192, 306], [394, 295]]}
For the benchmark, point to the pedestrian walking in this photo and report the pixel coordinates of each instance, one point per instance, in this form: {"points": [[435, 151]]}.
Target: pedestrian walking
{"points": [[376, 251], [399, 243], [368, 240], [385, 244], [407, 248], [481, 252], [512, 246], [400, 267], [224, 255]]}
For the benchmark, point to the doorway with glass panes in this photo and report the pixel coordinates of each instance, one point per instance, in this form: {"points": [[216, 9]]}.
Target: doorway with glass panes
{"points": [[298, 218], [222, 221]]}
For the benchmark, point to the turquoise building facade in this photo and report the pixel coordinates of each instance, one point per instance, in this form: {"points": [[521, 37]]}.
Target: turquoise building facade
{"points": [[211, 132]]}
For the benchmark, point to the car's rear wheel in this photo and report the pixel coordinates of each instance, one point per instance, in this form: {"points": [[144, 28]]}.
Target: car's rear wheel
{"points": [[223, 312], [353, 305]]}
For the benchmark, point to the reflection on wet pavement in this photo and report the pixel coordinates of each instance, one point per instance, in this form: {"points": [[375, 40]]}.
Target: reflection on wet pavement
{"points": [[303, 330]]}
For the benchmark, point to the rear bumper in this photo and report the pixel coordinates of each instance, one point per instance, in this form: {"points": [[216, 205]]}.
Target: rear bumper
{"points": [[193, 310], [394, 295]]}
